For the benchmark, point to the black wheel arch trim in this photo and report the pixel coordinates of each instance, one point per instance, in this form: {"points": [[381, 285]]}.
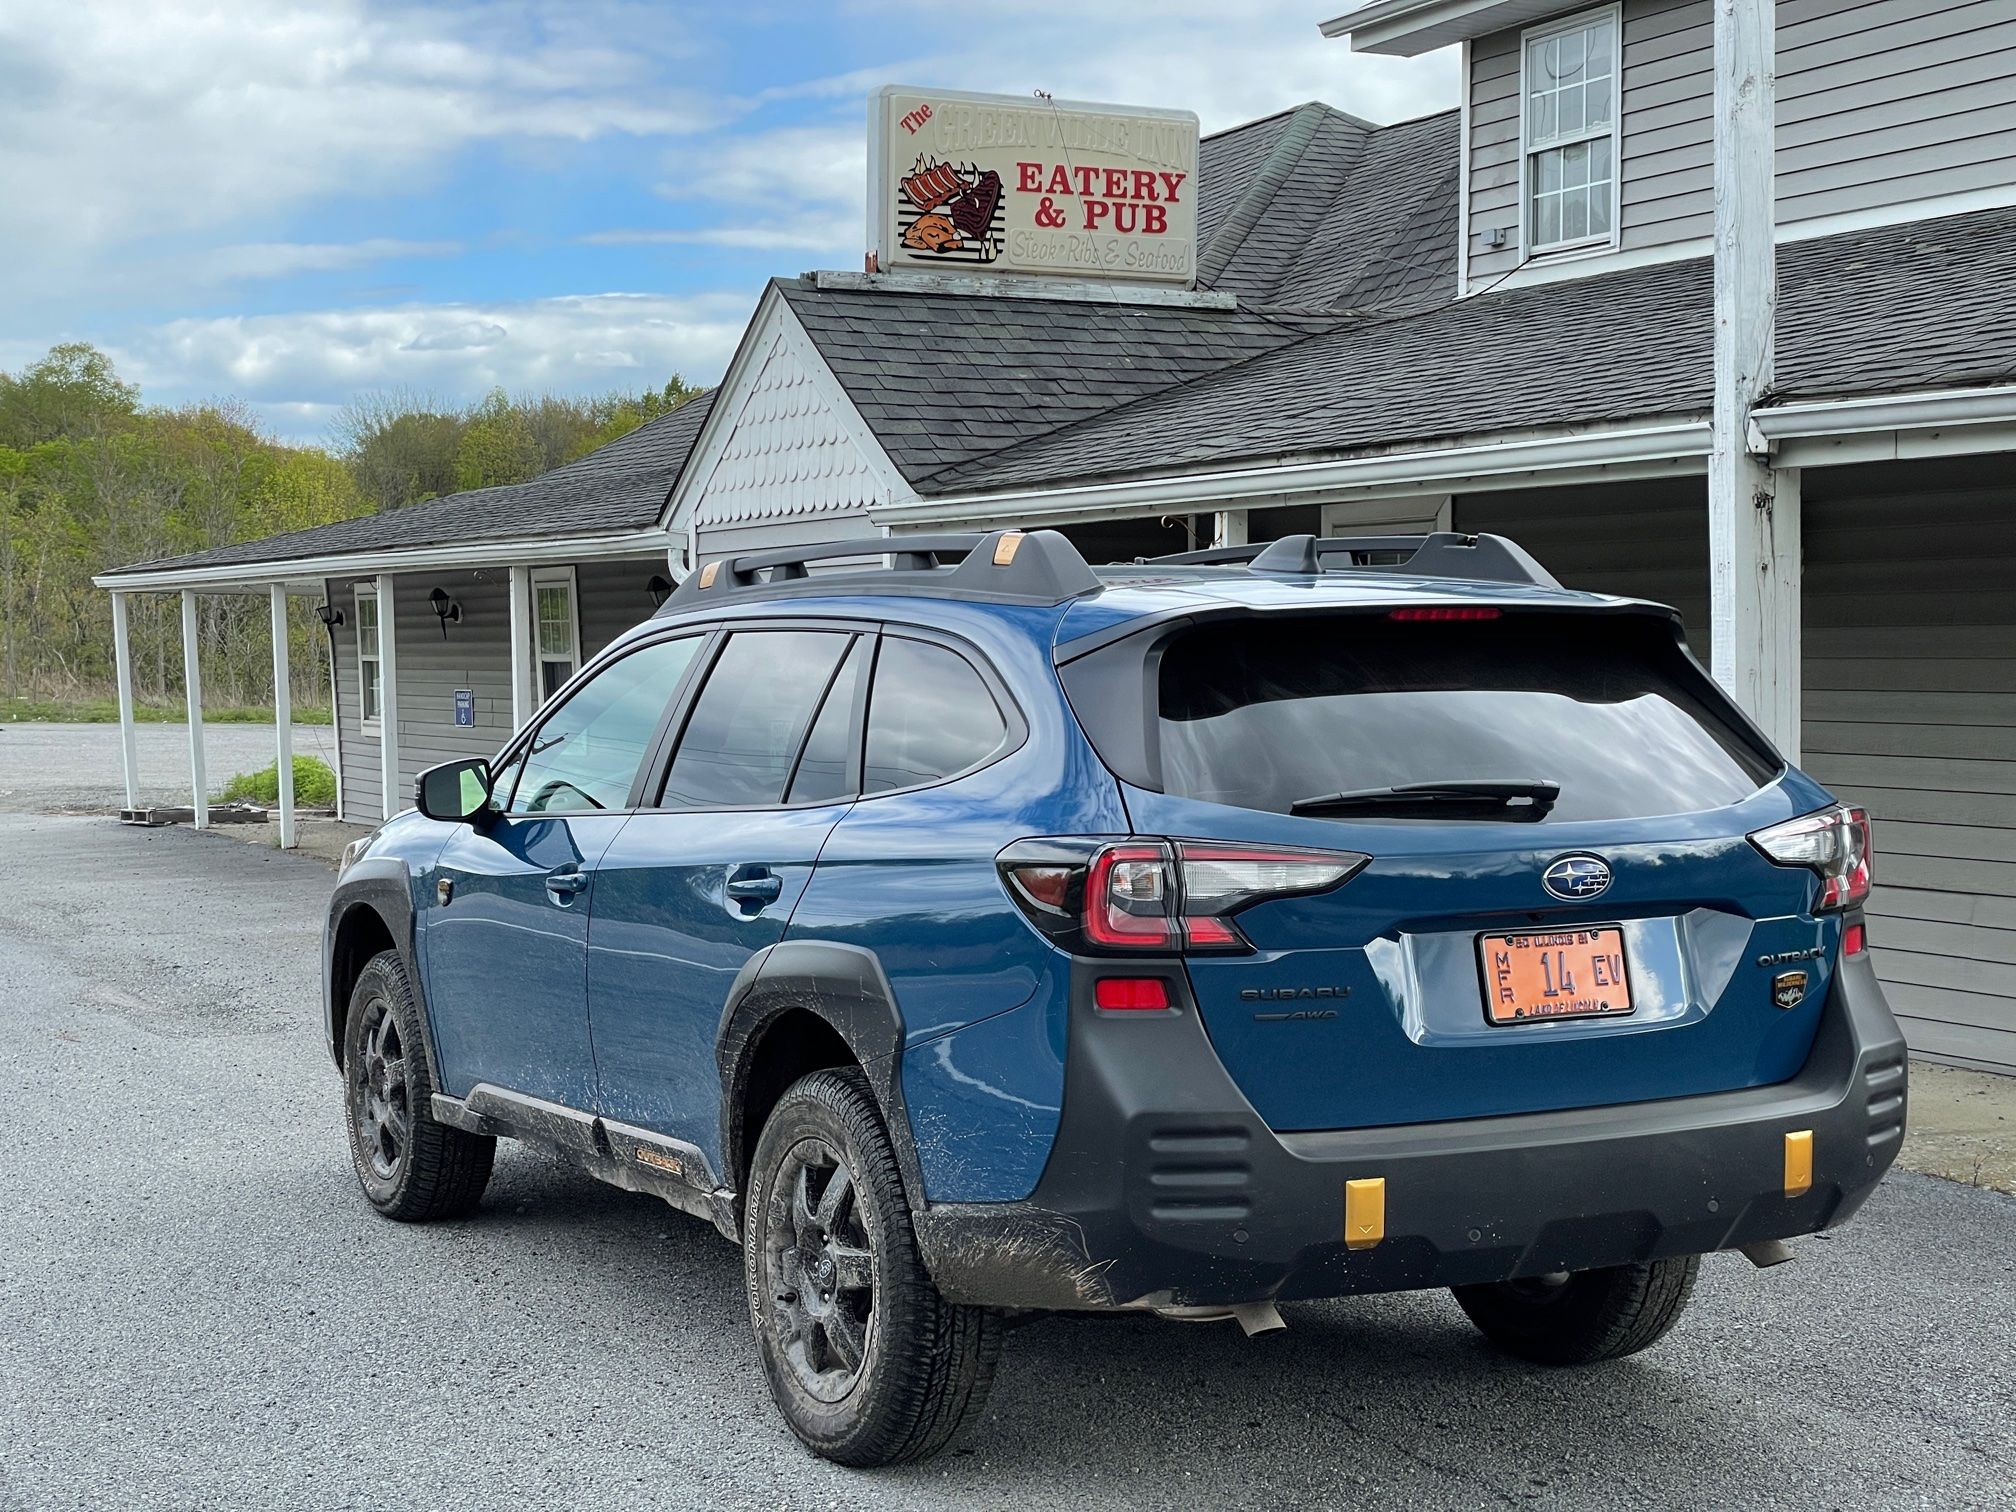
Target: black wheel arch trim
{"points": [[384, 890], [845, 986]]}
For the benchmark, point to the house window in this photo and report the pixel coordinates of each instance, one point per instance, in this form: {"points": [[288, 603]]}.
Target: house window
{"points": [[1570, 133], [369, 663], [556, 627]]}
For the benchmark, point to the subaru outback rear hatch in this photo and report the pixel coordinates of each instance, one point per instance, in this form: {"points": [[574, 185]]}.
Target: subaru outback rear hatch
{"points": [[1559, 903]]}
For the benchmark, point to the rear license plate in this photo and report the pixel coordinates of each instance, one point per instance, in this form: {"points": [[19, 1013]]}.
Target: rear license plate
{"points": [[1554, 974]]}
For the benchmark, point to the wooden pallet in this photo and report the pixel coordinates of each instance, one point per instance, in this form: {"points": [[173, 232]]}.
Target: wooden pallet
{"points": [[220, 813]]}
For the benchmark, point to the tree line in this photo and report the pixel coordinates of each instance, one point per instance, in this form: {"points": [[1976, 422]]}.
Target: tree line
{"points": [[92, 478]]}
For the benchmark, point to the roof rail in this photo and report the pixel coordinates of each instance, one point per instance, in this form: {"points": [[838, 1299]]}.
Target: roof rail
{"points": [[1007, 566], [1474, 558]]}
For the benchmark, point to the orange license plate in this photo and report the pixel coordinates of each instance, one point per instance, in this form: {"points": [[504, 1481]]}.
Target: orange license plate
{"points": [[1554, 974]]}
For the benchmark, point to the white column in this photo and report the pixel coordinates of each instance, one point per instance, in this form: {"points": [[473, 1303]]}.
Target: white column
{"points": [[335, 713], [192, 689], [122, 661], [283, 716], [1753, 512], [1228, 528], [388, 701], [522, 701]]}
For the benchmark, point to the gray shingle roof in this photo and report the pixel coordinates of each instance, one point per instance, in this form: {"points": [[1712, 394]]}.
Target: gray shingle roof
{"points": [[621, 486], [1904, 307], [945, 378]]}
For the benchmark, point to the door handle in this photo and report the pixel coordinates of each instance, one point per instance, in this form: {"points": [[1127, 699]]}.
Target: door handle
{"points": [[564, 885], [754, 884]]}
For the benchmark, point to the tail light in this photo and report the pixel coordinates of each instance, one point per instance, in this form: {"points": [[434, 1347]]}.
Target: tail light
{"points": [[1161, 896], [1834, 843]]}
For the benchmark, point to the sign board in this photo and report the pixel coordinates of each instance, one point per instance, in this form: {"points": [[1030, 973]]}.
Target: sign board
{"points": [[972, 183], [465, 707]]}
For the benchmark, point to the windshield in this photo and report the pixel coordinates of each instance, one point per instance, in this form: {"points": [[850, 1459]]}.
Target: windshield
{"points": [[1265, 713]]}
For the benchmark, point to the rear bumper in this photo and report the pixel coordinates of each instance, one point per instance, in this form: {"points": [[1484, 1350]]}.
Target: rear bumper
{"points": [[1164, 1187]]}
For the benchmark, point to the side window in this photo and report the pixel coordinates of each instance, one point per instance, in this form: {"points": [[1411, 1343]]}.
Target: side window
{"points": [[586, 755], [751, 717], [556, 627], [825, 769], [929, 715]]}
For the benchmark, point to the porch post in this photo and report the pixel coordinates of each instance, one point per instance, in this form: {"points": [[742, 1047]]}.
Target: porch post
{"points": [[1228, 528], [192, 690], [122, 661], [283, 716], [521, 646], [388, 700], [1753, 512]]}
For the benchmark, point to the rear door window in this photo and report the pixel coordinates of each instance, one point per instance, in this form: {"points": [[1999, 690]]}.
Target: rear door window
{"points": [[930, 716], [1263, 713], [751, 717]]}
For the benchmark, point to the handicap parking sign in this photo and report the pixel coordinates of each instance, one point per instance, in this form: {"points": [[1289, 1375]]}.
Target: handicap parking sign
{"points": [[465, 706]]}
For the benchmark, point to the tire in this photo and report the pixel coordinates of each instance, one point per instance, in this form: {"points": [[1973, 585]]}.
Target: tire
{"points": [[1586, 1316], [412, 1167], [867, 1362]]}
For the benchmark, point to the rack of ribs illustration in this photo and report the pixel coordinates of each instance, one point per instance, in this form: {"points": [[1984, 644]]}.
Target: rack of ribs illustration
{"points": [[955, 209]]}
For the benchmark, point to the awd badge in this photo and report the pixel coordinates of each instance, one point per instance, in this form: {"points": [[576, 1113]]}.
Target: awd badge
{"points": [[1788, 989]]}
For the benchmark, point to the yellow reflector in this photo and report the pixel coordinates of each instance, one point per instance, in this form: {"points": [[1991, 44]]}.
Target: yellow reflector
{"points": [[1364, 1212], [707, 574], [1799, 1163], [1006, 547]]}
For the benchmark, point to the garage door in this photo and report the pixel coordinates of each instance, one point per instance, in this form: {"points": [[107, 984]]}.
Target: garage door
{"points": [[1910, 674]]}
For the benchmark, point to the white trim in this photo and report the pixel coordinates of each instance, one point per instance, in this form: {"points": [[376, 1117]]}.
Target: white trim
{"points": [[506, 552], [1340, 518], [388, 697], [1561, 27], [1463, 176], [122, 663], [1025, 286], [1408, 28], [283, 717], [549, 577], [1888, 412], [368, 724], [774, 324], [1654, 449], [192, 695], [521, 629]]}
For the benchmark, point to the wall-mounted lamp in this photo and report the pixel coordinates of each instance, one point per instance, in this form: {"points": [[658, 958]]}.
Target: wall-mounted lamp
{"points": [[330, 616], [445, 609], [660, 589]]}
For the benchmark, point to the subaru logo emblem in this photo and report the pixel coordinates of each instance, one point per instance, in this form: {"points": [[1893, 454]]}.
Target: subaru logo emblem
{"points": [[1576, 878]]}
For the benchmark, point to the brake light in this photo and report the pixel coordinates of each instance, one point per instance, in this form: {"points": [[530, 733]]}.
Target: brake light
{"points": [[1165, 896], [1442, 612], [1835, 843]]}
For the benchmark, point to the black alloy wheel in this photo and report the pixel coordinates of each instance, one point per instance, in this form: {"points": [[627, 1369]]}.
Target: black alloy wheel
{"points": [[822, 1271], [381, 1095]]}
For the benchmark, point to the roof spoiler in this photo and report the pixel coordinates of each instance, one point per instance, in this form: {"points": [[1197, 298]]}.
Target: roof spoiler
{"points": [[1008, 566], [1473, 558]]}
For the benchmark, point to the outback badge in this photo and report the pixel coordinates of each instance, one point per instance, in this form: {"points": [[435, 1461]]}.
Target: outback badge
{"points": [[1788, 989]]}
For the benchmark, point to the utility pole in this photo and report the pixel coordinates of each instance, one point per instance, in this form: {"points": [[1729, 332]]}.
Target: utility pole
{"points": [[1753, 509]]}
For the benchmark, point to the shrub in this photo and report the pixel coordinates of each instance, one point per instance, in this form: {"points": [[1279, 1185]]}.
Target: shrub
{"points": [[314, 784]]}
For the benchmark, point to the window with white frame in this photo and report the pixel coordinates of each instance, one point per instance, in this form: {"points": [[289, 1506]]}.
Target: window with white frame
{"points": [[1569, 121], [556, 627], [369, 665]]}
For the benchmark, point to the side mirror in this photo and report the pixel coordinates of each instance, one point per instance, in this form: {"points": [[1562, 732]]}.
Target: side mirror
{"points": [[455, 791]]}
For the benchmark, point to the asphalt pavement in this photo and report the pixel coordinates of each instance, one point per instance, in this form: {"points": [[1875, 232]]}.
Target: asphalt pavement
{"points": [[74, 768], [198, 1310]]}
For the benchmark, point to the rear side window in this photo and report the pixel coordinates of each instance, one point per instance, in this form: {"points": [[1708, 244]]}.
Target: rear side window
{"points": [[929, 716], [1262, 714], [745, 729]]}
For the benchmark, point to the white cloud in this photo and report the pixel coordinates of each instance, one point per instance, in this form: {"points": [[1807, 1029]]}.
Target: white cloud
{"points": [[819, 234], [293, 366]]}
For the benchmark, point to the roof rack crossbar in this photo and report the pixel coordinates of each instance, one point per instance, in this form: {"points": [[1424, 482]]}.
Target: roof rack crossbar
{"points": [[1037, 566], [1445, 553]]}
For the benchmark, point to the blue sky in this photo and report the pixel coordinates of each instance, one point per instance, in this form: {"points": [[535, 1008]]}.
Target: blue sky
{"points": [[289, 202]]}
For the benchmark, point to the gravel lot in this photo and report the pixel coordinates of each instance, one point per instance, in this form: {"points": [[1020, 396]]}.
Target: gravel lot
{"points": [[196, 1308], [74, 768]]}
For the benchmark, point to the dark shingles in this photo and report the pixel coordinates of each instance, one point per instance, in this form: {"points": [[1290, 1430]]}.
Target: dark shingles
{"points": [[621, 486], [1916, 306]]}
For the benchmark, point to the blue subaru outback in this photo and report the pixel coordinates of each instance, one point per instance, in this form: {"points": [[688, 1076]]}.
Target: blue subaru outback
{"points": [[986, 933]]}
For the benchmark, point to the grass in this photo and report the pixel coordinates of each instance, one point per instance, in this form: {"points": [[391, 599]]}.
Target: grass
{"points": [[314, 784], [106, 711]]}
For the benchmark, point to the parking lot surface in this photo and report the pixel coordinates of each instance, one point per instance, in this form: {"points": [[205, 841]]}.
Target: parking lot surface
{"points": [[197, 1309], [74, 768]]}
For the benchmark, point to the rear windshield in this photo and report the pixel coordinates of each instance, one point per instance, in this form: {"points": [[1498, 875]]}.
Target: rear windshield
{"points": [[1263, 713]]}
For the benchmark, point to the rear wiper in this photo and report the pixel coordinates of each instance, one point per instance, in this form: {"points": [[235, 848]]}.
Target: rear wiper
{"points": [[1511, 798]]}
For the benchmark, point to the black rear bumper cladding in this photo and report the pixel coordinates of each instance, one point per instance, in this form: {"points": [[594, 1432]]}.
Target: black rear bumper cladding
{"points": [[1165, 1188]]}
